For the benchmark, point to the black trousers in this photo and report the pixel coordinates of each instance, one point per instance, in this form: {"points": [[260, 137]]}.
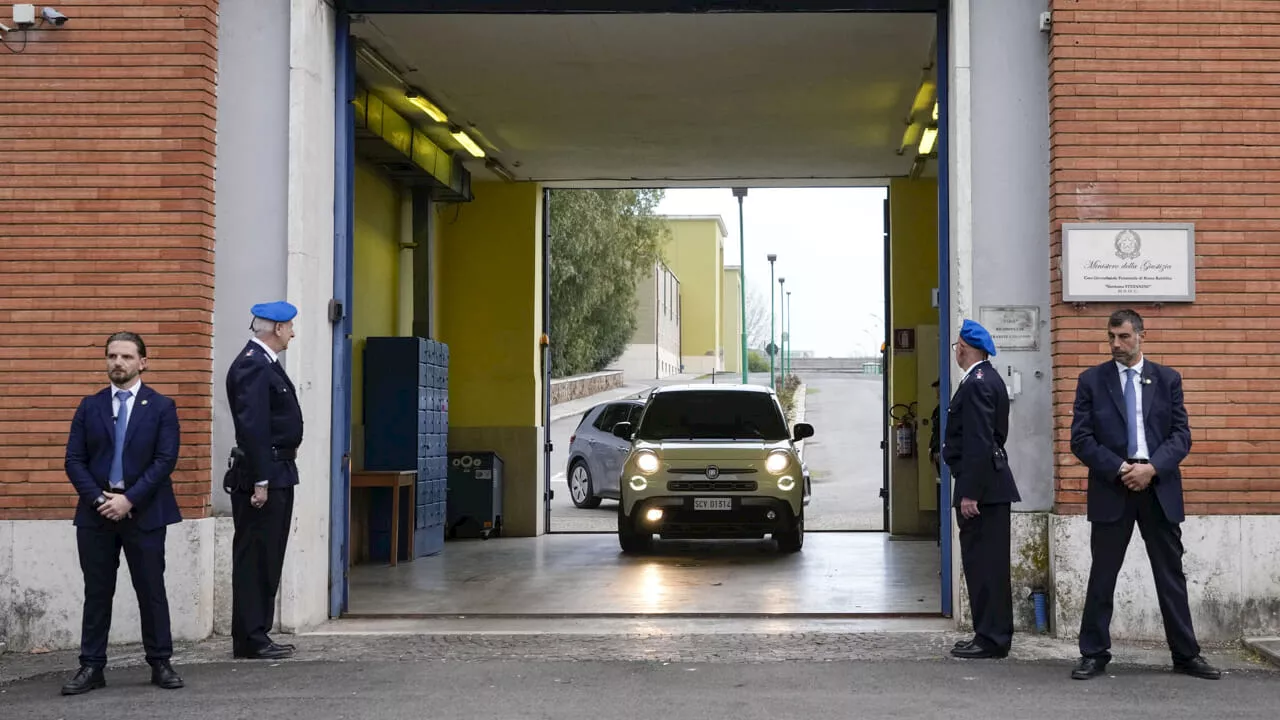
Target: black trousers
{"points": [[99, 550], [257, 557], [984, 554], [1108, 543]]}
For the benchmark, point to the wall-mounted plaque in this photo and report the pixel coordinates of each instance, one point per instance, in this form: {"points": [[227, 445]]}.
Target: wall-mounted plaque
{"points": [[1012, 327], [1146, 262]]}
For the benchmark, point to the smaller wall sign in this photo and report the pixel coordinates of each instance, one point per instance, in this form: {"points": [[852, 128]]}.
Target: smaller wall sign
{"points": [[1148, 262], [904, 339], [1012, 327]]}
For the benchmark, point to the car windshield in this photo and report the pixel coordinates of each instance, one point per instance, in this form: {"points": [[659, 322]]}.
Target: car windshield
{"points": [[711, 414]]}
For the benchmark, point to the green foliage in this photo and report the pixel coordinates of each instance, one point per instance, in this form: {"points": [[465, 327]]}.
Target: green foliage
{"points": [[602, 243], [757, 361]]}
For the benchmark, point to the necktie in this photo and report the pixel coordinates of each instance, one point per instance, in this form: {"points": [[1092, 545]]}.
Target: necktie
{"points": [[1131, 410], [122, 423]]}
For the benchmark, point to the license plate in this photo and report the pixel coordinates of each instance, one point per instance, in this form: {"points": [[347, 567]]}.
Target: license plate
{"points": [[713, 503]]}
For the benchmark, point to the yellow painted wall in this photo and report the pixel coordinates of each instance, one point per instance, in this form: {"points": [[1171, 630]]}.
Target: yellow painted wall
{"points": [[731, 335], [375, 278], [694, 252], [913, 236], [490, 305]]}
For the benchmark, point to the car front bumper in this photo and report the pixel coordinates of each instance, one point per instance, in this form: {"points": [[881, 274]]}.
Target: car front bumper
{"points": [[748, 517]]}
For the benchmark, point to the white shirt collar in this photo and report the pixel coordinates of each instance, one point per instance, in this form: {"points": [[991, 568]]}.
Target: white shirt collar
{"points": [[970, 369], [133, 389], [270, 353], [1122, 367]]}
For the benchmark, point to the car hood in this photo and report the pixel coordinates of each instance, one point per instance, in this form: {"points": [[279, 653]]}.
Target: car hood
{"points": [[672, 451]]}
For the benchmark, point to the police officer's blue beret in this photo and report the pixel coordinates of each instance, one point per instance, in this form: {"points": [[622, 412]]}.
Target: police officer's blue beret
{"points": [[279, 311], [977, 336]]}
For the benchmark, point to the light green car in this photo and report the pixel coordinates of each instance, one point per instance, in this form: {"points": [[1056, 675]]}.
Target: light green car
{"points": [[712, 461]]}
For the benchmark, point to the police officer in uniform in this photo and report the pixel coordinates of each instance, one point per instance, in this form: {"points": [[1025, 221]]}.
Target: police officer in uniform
{"points": [[977, 425], [268, 422]]}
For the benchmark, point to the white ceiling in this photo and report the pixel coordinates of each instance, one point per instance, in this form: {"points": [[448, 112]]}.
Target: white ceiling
{"points": [[663, 100]]}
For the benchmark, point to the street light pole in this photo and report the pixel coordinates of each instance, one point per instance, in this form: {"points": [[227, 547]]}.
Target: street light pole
{"points": [[782, 336], [787, 356], [773, 350], [741, 193]]}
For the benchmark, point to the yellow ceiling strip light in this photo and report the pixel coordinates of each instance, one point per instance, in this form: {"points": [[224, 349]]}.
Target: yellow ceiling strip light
{"points": [[421, 102], [927, 141], [465, 141]]}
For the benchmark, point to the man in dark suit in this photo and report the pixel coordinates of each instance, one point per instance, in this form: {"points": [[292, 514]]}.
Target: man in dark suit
{"points": [[122, 447], [1129, 427], [984, 490], [268, 422]]}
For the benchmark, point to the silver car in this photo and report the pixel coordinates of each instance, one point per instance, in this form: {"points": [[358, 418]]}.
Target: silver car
{"points": [[596, 454]]}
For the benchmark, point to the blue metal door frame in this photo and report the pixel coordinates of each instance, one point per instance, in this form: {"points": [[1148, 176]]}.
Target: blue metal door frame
{"points": [[340, 315], [344, 206]]}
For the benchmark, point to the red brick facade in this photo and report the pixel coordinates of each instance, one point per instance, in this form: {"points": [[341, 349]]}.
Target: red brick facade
{"points": [[1168, 111], [106, 223]]}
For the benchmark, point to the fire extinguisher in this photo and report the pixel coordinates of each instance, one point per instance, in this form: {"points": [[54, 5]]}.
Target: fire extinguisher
{"points": [[904, 429]]}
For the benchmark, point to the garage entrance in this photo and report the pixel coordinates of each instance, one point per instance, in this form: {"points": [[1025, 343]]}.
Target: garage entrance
{"points": [[679, 99]]}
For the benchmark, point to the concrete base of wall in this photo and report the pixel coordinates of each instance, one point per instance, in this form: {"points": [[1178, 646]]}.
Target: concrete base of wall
{"points": [[1029, 570], [42, 588], [573, 388], [1232, 581]]}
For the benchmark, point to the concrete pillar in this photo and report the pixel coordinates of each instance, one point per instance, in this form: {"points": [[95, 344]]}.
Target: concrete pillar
{"points": [[491, 318]]}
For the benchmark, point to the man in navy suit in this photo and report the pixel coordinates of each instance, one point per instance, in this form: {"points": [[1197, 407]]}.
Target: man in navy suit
{"points": [[268, 422], [1129, 427], [122, 448], [984, 490]]}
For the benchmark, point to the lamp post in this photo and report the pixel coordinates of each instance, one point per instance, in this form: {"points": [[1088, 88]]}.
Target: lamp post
{"points": [[741, 193], [782, 336], [789, 332], [772, 349]]}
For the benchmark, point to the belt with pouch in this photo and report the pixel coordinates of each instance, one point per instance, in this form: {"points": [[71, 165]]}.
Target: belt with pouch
{"points": [[278, 453]]}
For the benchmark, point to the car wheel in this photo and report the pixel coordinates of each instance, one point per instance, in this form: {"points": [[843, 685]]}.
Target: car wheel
{"points": [[792, 540], [580, 489], [629, 538]]}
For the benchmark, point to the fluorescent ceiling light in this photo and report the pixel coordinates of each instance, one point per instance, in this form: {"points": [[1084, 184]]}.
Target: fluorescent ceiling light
{"points": [[422, 103], [465, 141], [926, 142], [935, 111]]}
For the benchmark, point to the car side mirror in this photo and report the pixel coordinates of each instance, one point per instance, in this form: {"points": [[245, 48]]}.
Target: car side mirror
{"points": [[802, 431], [622, 431]]}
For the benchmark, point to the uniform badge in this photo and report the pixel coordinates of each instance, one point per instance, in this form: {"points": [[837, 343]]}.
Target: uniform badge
{"points": [[978, 374], [248, 353]]}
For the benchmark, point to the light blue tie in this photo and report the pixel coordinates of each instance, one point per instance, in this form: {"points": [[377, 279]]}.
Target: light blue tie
{"points": [[122, 424], [1131, 409]]}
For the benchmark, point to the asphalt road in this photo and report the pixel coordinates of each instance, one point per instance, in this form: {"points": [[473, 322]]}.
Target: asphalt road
{"points": [[844, 455], [591, 690]]}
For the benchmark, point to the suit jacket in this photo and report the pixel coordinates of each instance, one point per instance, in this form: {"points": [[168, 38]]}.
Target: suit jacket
{"points": [[977, 426], [266, 413], [152, 440], [1100, 438]]}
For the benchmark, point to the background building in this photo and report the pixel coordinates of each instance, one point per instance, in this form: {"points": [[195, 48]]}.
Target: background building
{"points": [[654, 351], [695, 252]]}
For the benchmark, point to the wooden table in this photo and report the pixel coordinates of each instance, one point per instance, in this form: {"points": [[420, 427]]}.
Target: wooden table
{"points": [[394, 479]]}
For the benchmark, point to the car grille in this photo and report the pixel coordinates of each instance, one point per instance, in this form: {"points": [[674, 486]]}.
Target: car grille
{"points": [[711, 485], [703, 471]]}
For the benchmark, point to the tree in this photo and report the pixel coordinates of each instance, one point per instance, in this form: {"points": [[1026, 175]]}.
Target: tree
{"points": [[602, 243], [757, 321]]}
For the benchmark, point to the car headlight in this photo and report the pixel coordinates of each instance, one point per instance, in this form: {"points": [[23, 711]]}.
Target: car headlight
{"points": [[777, 462], [638, 483], [786, 483], [647, 462]]}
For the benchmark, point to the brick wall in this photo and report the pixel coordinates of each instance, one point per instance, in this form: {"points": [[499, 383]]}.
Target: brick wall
{"points": [[106, 223], [1169, 111]]}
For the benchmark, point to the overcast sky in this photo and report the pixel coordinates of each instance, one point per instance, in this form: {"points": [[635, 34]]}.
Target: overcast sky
{"points": [[829, 244]]}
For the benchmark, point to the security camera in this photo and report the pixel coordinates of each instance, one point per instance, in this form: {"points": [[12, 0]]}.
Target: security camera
{"points": [[53, 16]]}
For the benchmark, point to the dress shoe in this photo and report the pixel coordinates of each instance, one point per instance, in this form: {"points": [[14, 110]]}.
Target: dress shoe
{"points": [[270, 652], [974, 651], [1088, 668], [85, 680], [966, 643], [1198, 667], [162, 675]]}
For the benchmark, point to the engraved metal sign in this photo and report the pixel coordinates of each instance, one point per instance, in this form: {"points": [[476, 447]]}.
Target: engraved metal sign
{"points": [[1148, 262], [1012, 327]]}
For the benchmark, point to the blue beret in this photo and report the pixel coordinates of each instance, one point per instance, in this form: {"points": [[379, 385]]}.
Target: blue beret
{"points": [[977, 336], [279, 311]]}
